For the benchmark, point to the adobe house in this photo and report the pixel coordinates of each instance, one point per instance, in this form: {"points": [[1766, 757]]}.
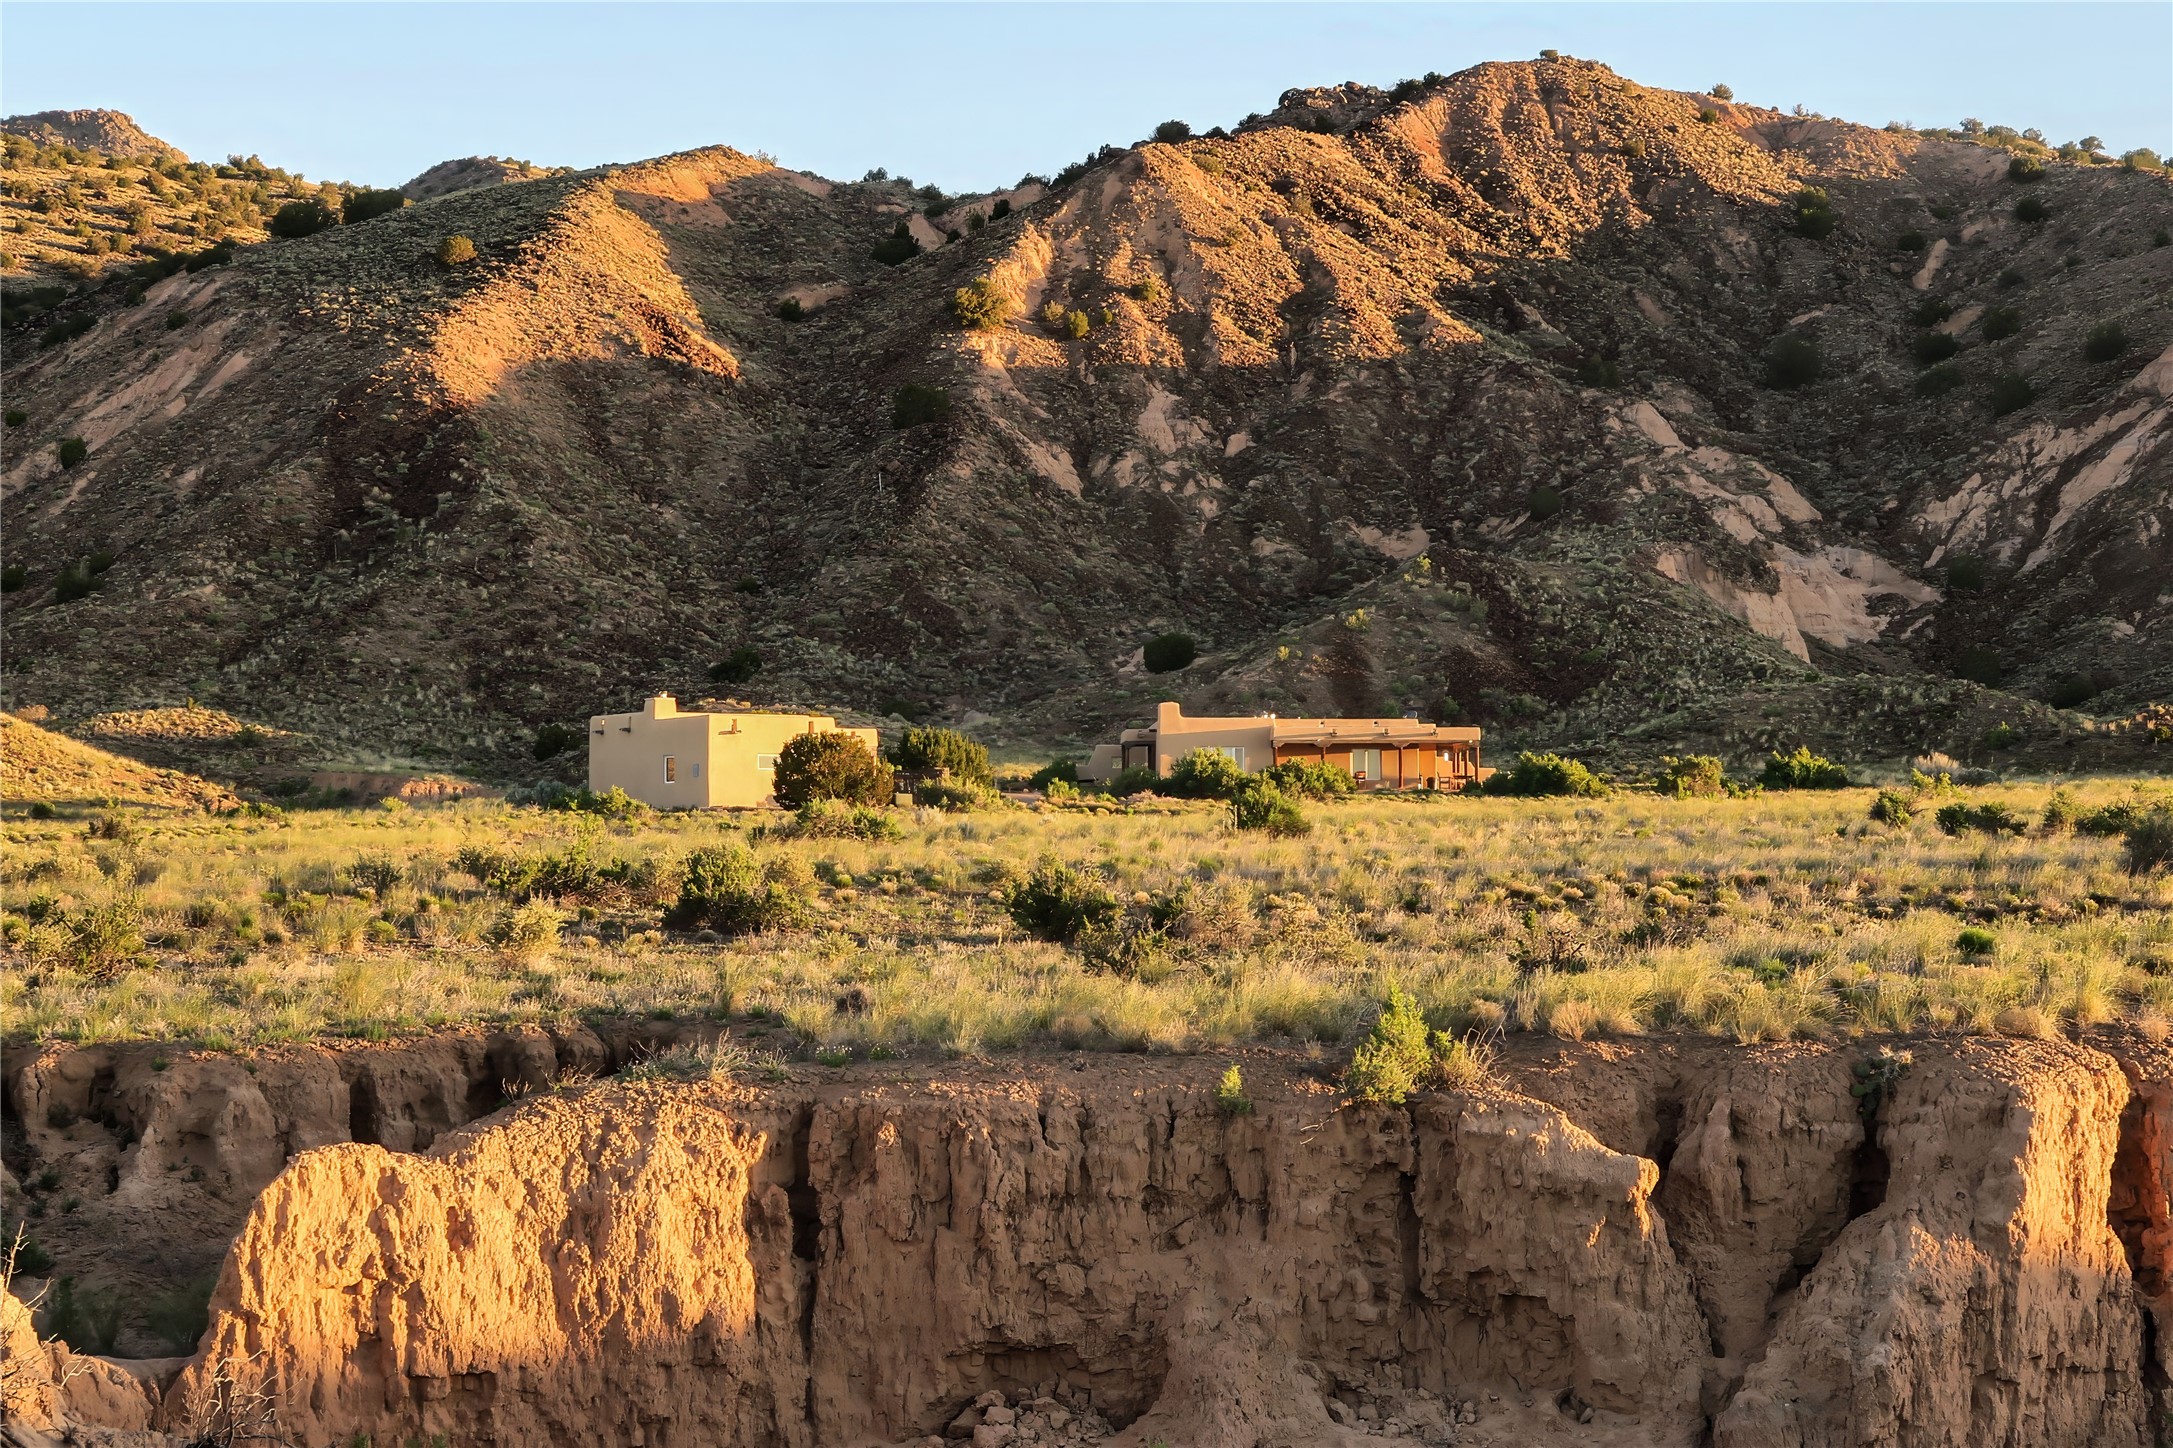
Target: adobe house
{"points": [[1379, 753], [671, 759]]}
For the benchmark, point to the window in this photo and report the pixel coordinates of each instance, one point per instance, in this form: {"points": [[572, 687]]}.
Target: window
{"points": [[766, 762], [1366, 764], [1235, 753], [671, 768], [697, 769]]}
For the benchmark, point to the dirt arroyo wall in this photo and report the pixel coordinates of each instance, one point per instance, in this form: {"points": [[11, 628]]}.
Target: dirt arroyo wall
{"points": [[1644, 1244]]}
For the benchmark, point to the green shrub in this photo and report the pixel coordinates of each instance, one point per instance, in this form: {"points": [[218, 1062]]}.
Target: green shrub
{"points": [[2142, 158], [179, 1316], [1980, 664], [1205, 774], [1812, 212], [2062, 813], [2031, 210], [952, 798], [1694, 776], [1139, 779], [1259, 805], [16, 417], [790, 310], [1999, 323], [1542, 503], [1707, 115], [1976, 942], [1076, 324], [1721, 93], [1802, 769], [14, 577], [2010, 279], [1992, 818], [1052, 316], [1169, 652], [1911, 241], [72, 451], [1965, 573], [76, 581], [737, 667], [727, 889], [1599, 372], [1791, 362], [301, 218], [1939, 381], [1932, 311], [834, 819], [1540, 775], [2111, 819], [1057, 902], [1931, 347], [1056, 771], [917, 403], [1230, 1097], [87, 1320], [832, 765], [2071, 691], [1148, 291], [2161, 237], [105, 939], [1893, 808], [2147, 843], [1310, 779], [1389, 1064], [368, 204], [456, 251], [553, 740], [1169, 133], [2025, 169], [899, 246], [2010, 392], [2105, 341], [1001, 209], [2002, 735], [981, 306], [927, 750]]}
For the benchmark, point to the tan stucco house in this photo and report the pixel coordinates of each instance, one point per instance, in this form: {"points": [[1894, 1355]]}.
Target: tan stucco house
{"points": [[672, 759], [1379, 753]]}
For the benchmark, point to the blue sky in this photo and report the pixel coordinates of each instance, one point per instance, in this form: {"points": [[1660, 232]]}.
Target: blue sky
{"points": [[972, 96]]}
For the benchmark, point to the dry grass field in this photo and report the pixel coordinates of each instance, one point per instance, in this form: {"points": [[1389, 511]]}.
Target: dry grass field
{"points": [[1780, 915]]}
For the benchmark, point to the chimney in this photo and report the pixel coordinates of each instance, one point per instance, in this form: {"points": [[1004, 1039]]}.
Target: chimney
{"points": [[660, 706], [1168, 715]]}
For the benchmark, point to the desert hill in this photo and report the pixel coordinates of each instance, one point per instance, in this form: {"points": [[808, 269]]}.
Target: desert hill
{"points": [[38, 766], [111, 133], [1527, 395], [469, 172]]}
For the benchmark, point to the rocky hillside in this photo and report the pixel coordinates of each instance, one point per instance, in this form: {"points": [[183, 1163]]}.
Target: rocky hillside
{"points": [[110, 133], [470, 172], [1528, 395]]}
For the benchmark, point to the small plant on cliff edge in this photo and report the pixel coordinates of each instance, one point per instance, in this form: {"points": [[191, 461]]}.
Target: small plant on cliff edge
{"points": [[1876, 1077], [1389, 1063], [1230, 1097]]}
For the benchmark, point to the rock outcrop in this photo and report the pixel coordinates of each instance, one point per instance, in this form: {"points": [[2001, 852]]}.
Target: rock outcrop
{"points": [[1695, 1244]]}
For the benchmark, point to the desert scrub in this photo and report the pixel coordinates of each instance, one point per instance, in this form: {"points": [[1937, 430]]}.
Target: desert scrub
{"points": [[1758, 917]]}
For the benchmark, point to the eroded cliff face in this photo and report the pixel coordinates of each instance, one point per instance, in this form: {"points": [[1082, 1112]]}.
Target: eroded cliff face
{"points": [[1655, 1243]]}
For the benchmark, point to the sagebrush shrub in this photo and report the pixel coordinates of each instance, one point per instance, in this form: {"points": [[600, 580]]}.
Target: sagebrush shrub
{"points": [[727, 888], [1991, 818], [1695, 776], [1541, 775], [834, 819], [1801, 769], [2147, 843], [1792, 362], [1893, 808], [1057, 902], [1813, 213], [1931, 347], [2010, 392], [1310, 779], [456, 251]]}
